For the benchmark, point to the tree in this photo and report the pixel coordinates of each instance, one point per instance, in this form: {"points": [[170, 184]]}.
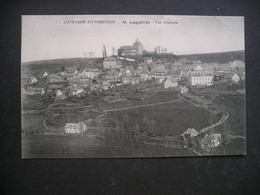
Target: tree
{"points": [[136, 132], [145, 126], [145, 121], [120, 135], [113, 51], [126, 124], [91, 54], [152, 123], [158, 49], [62, 69]]}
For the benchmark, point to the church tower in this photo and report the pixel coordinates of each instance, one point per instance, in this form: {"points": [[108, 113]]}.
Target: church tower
{"points": [[138, 46]]}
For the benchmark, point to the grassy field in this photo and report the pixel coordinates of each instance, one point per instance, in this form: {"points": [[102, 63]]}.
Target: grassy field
{"points": [[158, 97], [236, 123], [169, 119], [47, 146], [33, 123], [36, 102]]}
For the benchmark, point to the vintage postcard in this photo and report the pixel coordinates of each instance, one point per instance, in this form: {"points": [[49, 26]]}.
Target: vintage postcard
{"points": [[126, 86]]}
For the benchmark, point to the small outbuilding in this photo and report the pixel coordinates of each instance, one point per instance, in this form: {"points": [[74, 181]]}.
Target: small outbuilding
{"points": [[33, 80], [235, 78], [184, 90], [45, 74], [170, 82], [189, 133]]}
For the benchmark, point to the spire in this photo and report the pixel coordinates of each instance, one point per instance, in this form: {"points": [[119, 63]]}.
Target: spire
{"points": [[137, 40]]}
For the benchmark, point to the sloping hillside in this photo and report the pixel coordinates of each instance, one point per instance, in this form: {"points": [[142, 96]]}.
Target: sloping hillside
{"points": [[222, 57]]}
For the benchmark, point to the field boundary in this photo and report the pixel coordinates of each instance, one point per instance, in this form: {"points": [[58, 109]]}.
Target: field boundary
{"points": [[140, 106], [222, 120], [198, 105]]}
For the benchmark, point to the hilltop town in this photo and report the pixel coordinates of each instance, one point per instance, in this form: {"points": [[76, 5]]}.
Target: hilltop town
{"points": [[74, 98]]}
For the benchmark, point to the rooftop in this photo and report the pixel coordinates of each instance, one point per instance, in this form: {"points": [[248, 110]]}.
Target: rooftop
{"points": [[201, 73], [110, 59], [160, 68], [127, 47], [190, 131]]}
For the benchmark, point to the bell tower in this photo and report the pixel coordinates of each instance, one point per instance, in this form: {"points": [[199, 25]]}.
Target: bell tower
{"points": [[138, 46]]}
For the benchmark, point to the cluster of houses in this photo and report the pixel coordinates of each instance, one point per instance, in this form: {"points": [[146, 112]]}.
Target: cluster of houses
{"points": [[115, 72]]}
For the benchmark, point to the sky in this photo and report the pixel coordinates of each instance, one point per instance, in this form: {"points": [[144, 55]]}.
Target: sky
{"points": [[54, 37]]}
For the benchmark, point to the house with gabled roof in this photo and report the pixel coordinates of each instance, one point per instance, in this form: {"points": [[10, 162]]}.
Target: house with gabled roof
{"points": [[77, 91], [126, 80], [91, 72], [184, 90], [105, 84], [170, 82], [53, 78], [45, 74], [198, 68], [33, 80], [76, 73], [184, 74], [158, 71], [145, 75], [126, 73], [235, 78], [112, 75], [59, 94], [110, 63], [33, 90], [201, 77], [148, 60], [189, 133]]}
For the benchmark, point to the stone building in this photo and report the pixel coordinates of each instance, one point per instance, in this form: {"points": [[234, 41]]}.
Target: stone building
{"points": [[110, 63], [75, 128], [199, 76], [130, 50]]}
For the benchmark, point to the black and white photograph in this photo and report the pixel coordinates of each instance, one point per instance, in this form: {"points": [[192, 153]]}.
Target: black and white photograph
{"points": [[132, 86]]}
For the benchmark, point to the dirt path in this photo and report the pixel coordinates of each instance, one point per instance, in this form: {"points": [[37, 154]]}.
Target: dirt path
{"points": [[72, 108], [222, 120], [139, 106]]}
